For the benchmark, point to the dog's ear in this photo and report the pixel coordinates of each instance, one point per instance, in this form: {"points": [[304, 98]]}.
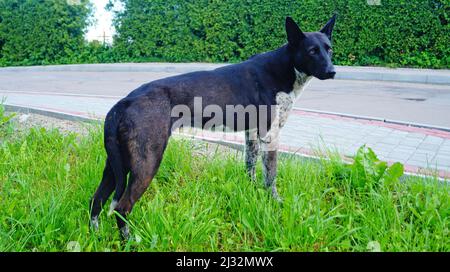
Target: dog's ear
{"points": [[328, 28], [294, 34]]}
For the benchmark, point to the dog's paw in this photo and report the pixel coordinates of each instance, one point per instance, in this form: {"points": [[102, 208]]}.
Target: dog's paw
{"points": [[276, 196], [125, 233], [278, 199], [94, 223]]}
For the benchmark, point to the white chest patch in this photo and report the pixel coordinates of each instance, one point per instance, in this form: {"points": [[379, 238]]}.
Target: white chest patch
{"points": [[301, 81], [285, 102]]}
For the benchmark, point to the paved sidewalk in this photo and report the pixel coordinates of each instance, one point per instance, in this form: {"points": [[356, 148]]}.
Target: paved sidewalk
{"points": [[421, 150]]}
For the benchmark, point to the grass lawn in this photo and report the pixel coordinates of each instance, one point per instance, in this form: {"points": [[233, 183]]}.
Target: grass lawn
{"points": [[202, 200]]}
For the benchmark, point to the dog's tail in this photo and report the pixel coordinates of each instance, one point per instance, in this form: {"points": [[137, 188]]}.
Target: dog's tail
{"points": [[111, 141]]}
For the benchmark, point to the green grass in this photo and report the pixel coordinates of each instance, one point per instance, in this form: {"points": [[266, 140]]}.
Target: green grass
{"points": [[203, 201]]}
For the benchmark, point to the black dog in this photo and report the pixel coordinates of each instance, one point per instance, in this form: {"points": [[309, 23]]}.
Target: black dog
{"points": [[138, 127]]}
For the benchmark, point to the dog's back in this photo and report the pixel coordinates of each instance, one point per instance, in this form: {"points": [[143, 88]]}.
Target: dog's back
{"points": [[237, 84]]}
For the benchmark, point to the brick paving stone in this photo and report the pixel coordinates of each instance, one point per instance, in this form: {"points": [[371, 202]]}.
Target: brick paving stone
{"points": [[405, 150], [430, 147], [443, 153], [425, 158], [445, 148], [402, 157], [391, 141], [429, 153], [373, 139], [381, 132], [385, 146], [414, 135], [441, 160], [433, 140], [411, 142], [384, 153], [416, 163]]}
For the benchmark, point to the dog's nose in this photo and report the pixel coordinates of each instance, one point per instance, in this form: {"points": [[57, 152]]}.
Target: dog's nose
{"points": [[331, 74]]}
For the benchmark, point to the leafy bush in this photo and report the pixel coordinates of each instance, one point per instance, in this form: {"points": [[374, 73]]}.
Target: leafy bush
{"points": [[367, 173], [397, 32], [42, 32]]}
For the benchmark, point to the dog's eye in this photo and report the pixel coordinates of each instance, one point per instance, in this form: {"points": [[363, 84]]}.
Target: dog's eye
{"points": [[314, 51]]}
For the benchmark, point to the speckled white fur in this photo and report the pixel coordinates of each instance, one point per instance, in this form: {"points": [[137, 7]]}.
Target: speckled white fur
{"points": [[285, 102], [301, 81], [94, 222]]}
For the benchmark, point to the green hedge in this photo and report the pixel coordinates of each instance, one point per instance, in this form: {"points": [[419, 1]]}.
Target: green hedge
{"points": [[397, 32], [42, 31]]}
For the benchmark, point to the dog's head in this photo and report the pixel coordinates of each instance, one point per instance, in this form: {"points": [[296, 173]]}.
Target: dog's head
{"points": [[311, 51]]}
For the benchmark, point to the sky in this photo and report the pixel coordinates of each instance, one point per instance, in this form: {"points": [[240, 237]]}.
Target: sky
{"points": [[103, 23]]}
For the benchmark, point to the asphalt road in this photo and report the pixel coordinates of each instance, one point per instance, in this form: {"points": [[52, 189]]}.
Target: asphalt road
{"points": [[407, 102]]}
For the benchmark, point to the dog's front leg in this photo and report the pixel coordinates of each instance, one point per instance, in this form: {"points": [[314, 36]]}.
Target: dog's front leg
{"points": [[269, 143], [251, 153], [269, 147], [270, 172]]}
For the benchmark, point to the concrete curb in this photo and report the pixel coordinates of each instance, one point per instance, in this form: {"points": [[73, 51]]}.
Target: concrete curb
{"points": [[234, 145], [54, 114], [421, 76], [371, 118], [312, 158]]}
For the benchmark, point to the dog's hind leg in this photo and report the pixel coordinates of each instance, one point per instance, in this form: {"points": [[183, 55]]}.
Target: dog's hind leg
{"points": [[251, 153], [143, 169], [146, 144], [102, 194]]}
